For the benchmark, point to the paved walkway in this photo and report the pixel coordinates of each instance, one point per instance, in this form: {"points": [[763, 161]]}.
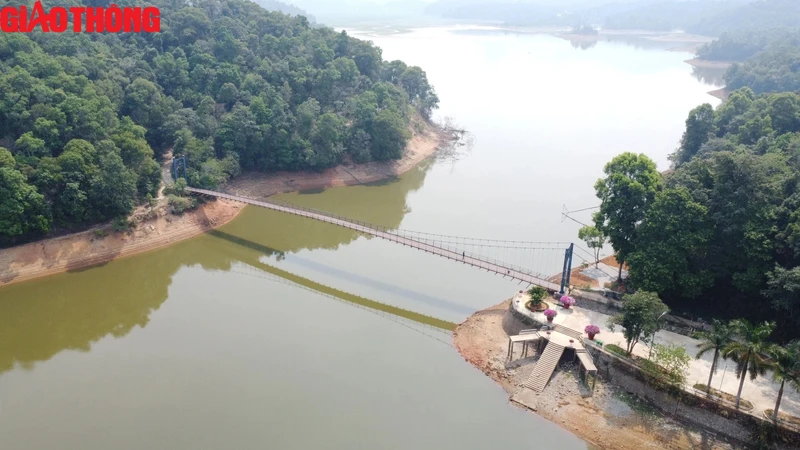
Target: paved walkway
{"points": [[762, 392]]}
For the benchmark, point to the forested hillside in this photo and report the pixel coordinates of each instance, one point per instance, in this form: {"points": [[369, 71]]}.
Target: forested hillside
{"points": [[85, 116], [743, 44], [758, 14], [273, 5], [768, 60], [720, 234]]}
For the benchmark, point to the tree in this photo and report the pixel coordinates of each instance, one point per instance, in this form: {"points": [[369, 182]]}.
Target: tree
{"points": [[717, 339], [22, 208], [699, 126], [674, 360], [389, 136], [672, 246], [748, 352], [785, 367], [783, 290], [594, 240], [625, 193], [639, 318]]}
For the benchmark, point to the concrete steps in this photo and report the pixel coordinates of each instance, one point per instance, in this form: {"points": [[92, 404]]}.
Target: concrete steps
{"points": [[544, 367]]}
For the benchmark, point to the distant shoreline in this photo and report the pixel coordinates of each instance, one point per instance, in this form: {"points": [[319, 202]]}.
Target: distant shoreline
{"points": [[708, 64], [159, 228]]}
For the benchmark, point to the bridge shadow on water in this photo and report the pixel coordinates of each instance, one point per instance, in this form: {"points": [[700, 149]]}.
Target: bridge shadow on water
{"points": [[71, 311], [339, 273]]}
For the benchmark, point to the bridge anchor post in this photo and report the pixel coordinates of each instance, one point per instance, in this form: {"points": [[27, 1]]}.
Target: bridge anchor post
{"points": [[567, 270]]}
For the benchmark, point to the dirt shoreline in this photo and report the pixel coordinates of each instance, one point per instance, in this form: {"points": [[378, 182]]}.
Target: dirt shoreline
{"points": [[708, 64], [155, 228], [608, 418]]}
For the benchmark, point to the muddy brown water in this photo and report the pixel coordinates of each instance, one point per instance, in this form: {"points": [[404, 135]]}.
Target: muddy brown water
{"points": [[229, 341]]}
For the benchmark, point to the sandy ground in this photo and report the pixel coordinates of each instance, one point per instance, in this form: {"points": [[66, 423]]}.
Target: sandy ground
{"points": [[609, 418], [721, 94], [706, 64], [159, 228]]}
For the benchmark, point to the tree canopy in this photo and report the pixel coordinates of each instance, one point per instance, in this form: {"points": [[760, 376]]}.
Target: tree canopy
{"points": [[627, 190], [721, 236], [84, 117], [639, 317]]}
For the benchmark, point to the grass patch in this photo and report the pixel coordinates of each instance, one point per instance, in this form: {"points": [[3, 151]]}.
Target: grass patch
{"points": [[743, 404], [783, 417], [617, 349]]}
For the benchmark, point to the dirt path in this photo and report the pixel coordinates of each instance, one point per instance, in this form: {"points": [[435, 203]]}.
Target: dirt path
{"points": [[609, 418], [156, 227]]}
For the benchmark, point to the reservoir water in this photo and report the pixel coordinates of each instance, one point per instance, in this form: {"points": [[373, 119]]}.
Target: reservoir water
{"points": [[228, 341]]}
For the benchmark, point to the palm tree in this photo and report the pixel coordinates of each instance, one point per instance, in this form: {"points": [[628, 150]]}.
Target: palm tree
{"points": [[749, 353], [785, 367], [717, 339]]}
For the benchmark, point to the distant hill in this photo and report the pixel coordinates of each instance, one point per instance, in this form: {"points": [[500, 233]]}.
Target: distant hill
{"points": [[273, 5], [755, 15]]}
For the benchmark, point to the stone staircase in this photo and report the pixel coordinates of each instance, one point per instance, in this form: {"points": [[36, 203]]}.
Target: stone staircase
{"points": [[544, 367]]}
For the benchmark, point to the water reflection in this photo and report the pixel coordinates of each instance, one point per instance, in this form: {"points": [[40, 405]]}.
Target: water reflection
{"points": [[582, 44], [71, 311], [287, 233], [713, 76]]}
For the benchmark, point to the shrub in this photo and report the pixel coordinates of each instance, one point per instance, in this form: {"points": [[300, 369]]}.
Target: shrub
{"points": [[549, 313], [592, 329], [537, 294], [121, 224], [179, 205], [567, 301], [617, 349], [176, 188], [674, 360]]}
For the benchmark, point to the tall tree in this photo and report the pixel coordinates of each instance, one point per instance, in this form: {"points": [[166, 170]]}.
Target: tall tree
{"points": [[748, 351], [672, 244], [785, 368], [699, 127], [639, 318], [717, 339], [625, 193]]}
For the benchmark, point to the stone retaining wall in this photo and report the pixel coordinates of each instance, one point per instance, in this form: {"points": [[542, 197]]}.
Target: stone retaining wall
{"points": [[687, 406]]}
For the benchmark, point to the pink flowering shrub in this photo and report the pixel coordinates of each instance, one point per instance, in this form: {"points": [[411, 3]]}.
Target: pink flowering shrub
{"points": [[567, 301], [592, 329], [549, 313]]}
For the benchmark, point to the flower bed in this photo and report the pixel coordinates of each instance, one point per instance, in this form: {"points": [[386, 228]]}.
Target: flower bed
{"points": [[745, 405], [539, 308]]}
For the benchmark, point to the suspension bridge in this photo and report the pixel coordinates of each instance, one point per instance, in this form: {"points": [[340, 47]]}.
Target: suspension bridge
{"points": [[535, 263]]}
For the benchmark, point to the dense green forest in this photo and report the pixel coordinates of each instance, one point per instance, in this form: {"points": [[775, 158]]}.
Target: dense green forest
{"points": [[85, 116], [289, 9], [775, 69], [743, 44], [719, 235], [768, 60]]}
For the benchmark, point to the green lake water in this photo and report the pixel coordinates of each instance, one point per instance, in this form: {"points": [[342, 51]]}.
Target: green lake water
{"points": [[267, 333]]}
